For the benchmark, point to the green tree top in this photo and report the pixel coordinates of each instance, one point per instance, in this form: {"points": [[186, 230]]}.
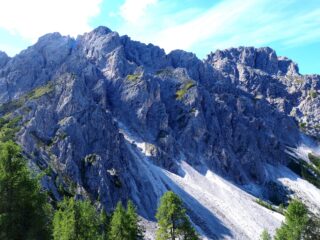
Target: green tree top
{"points": [[296, 219], [135, 231], [119, 224], [172, 219], [76, 220], [24, 211]]}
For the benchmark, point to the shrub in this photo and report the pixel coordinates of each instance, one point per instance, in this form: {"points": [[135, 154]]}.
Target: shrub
{"points": [[181, 92], [36, 93], [314, 159], [133, 77]]}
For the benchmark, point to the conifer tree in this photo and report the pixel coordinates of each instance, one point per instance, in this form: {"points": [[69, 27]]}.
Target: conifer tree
{"points": [[105, 224], [296, 220], [76, 220], [119, 229], [172, 219], [135, 231], [24, 211]]}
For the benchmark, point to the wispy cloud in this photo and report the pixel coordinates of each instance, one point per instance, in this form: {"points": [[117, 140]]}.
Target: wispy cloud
{"points": [[229, 23], [134, 10], [33, 18]]}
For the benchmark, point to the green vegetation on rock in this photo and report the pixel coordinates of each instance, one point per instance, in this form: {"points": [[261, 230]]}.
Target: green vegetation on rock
{"points": [[133, 77], [181, 92], [305, 170], [314, 159], [36, 93], [269, 206]]}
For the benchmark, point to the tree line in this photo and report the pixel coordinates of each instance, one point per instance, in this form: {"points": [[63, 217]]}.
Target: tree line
{"points": [[25, 212], [299, 224]]}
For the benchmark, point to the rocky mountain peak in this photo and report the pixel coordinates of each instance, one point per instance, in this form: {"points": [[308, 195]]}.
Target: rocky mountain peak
{"points": [[264, 59], [114, 119], [3, 59]]}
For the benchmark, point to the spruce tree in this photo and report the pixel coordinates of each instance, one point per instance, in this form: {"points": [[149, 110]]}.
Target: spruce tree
{"points": [[119, 229], [135, 231], [76, 220], [24, 211], [172, 219], [105, 224], [296, 220]]}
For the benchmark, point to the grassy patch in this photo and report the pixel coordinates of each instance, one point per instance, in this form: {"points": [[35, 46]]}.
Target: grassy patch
{"points": [[279, 209], [40, 91], [36, 93], [181, 92], [133, 77]]}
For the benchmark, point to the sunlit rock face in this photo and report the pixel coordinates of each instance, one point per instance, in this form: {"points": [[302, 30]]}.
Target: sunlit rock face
{"points": [[109, 114]]}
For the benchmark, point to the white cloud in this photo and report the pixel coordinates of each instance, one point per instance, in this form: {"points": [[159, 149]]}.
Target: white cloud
{"points": [[230, 23], [33, 18], [134, 10]]}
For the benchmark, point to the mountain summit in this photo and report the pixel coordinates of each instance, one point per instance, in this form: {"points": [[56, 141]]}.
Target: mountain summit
{"points": [[115, 119]]}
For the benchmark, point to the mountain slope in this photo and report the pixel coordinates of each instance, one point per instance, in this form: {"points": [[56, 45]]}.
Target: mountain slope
{"points": [[112, 119]]}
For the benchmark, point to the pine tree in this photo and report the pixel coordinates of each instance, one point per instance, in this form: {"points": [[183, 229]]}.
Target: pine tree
{"points": [[265, 235], [135, 231], [119, 229], [105, 224], [296, 220], [172, 219], [24, 211], [76, 220]]}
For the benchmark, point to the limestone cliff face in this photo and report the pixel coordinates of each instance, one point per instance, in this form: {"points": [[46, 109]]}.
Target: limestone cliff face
{"points": [[231, 113]]}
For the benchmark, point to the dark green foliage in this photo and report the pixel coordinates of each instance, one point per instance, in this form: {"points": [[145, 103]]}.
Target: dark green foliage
{"points": [[24, 212], [172, 219], [105, 224], [306, 171], [119, 224], [135, 231], [296, 220], [302, 125], [8, 128], [265, 235], [315, 160], [76, 220], [124, 223]]}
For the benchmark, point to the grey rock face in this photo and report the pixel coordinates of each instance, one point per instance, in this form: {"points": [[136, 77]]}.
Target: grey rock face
{"points": [[3, 59], [231, 113]]}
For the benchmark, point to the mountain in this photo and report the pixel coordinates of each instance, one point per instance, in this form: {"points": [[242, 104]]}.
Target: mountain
{"points": [[109, 119]]}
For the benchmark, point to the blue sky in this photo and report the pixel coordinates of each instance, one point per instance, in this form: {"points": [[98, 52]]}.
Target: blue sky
{"points": [[291, 27]]}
